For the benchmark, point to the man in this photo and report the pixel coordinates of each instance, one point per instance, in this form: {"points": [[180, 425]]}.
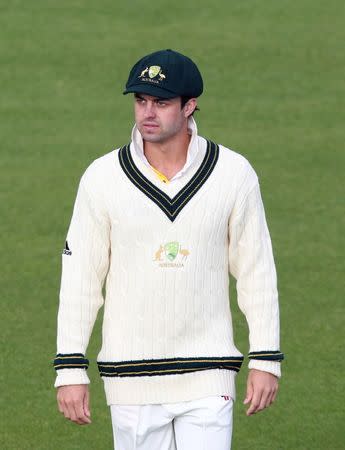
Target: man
{"points": [[164, 220]]}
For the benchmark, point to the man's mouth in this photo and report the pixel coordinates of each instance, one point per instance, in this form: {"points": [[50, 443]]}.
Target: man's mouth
{"points": [[150, 125]]}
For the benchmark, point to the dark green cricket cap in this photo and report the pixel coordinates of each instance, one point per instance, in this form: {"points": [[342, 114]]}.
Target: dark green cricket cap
{"points": [[165, 74]]}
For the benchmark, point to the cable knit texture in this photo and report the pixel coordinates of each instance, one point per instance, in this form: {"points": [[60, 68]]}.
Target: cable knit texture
{"points": [[167, 283]]}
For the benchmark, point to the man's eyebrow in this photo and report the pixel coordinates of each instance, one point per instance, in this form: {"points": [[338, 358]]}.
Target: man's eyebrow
{"points": [[155, 99]]}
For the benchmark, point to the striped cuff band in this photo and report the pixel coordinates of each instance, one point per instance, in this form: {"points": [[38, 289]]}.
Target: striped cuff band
{"points": [[267, 355], [70, 361]]}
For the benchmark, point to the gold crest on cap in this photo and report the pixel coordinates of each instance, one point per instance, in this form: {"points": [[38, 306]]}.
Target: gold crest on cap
{"points": [[153, 72]]}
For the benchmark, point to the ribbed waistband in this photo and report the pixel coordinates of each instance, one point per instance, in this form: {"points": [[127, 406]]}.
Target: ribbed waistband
{"points": [[167, 366], [169, 388]]}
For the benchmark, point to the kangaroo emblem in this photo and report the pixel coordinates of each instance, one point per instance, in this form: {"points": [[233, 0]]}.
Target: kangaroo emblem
{"points": [[158, 253], [143, 72]]}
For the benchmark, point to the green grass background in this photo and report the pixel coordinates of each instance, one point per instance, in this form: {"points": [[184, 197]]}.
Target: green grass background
{"points": [[274, 91]]}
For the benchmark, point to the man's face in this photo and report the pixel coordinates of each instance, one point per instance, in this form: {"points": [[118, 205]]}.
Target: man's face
{"points": [[159, 120]]}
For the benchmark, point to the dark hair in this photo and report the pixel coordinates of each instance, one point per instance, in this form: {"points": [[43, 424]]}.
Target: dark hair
{"points": [[184, 100]]}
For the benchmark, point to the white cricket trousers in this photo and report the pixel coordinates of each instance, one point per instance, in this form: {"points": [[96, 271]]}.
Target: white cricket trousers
{"points": [[203, 424]]}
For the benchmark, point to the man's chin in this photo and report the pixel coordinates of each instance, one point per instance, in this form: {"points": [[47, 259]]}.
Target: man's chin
{"points": [[150, 137]]}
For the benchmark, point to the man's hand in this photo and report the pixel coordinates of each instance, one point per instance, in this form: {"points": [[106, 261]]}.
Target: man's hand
{"points": [[73, 403], [262, 388]]}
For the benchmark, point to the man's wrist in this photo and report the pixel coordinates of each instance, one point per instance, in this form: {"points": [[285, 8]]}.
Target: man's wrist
{"points": [[71, 376], [272, 367]]}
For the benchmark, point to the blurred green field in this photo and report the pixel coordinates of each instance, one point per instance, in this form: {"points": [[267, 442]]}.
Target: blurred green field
{"points": [[274, 91]]}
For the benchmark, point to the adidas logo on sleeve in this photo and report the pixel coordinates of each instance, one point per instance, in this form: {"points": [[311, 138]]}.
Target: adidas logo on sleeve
{"points": [[66, 250]]}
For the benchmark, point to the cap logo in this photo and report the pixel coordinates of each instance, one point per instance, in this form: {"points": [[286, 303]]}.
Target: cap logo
{"points": [[152, 72]]}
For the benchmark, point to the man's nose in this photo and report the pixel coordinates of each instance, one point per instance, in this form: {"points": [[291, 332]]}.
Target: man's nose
{"points": [[150, 110]]}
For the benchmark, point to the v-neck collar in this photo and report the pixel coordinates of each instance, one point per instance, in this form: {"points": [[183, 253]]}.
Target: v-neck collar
{"points": [[170, 206]]}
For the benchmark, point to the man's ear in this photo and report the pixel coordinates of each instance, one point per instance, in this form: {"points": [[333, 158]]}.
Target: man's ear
{"points": [[190, 106]]}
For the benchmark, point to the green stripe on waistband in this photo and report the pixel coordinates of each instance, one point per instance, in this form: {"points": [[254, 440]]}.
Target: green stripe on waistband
{"points": [[170, 366]]}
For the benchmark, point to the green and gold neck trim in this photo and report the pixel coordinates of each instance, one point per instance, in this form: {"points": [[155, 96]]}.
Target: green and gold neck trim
{"points": [[170, 206]]}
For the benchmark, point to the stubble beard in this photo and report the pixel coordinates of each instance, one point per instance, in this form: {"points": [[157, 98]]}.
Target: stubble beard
{"points": [[160, 136]]}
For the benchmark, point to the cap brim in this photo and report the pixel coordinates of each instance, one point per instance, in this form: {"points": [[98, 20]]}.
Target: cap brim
{"points": [[148, 89]]}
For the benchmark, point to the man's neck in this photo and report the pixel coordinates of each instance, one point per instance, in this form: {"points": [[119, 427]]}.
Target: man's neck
{"points": [[168, 157]]}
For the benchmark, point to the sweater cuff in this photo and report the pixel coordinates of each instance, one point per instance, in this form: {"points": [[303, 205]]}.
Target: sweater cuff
{"points": [[272, 367], [70, 361], [66, 377]]}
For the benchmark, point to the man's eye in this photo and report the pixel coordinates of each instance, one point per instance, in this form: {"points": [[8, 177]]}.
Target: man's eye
{"points": [[161, 103]]}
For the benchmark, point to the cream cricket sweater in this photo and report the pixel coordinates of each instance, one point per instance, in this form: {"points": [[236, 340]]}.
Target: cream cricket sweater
{"points": [[166, 251]]}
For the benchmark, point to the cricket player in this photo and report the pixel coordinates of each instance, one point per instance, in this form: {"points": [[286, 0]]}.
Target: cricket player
{"points": [[161, 222]]}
